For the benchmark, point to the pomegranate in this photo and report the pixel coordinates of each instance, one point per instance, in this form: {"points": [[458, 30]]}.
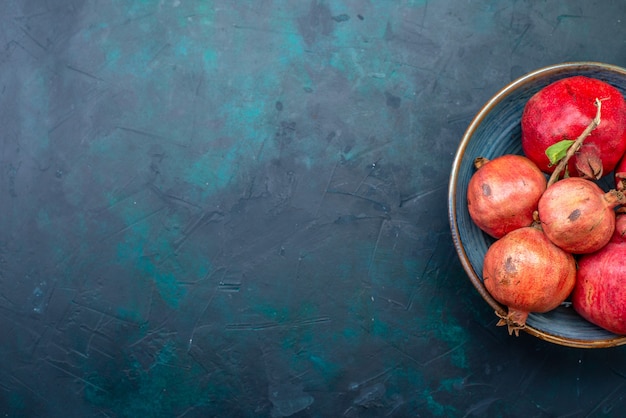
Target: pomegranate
{"points": [[561, 111], [527, 273], [577, 215], [599, 295], [503, 193], [620, 175], [620, 226]]}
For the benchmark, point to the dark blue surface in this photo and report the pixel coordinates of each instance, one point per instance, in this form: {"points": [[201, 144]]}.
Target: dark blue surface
{"points": [[214, 208]]}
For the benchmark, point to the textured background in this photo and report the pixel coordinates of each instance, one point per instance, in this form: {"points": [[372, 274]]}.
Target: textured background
{"points": [[216, 208]]}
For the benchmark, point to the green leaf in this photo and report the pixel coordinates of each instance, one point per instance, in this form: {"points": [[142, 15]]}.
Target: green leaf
{"points": [[556, 152]]}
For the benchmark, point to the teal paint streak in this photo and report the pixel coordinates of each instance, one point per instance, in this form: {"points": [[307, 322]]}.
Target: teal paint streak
{"points": [[168, 387], [129, 313], [447, 330], [351, 333], [36, 85], [291, 48], [136, 8], [182, 47], [210, 59], [133, 251], [43, 219], [411, 276], [418, 3], [212, 172], [246, 132], [483, 21], [451, 384], [113, 55], [241, 128], [90, 33], [143, 248], [436, 408], [328, 369], [167, 285]]}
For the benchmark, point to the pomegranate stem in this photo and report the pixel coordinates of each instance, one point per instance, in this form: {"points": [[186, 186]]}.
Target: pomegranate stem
{"points": [[576, 145], [615, 198], [479, 162], [514, 320]]}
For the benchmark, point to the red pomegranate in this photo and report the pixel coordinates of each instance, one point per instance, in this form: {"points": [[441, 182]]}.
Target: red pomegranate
{"points": [[577, 215], [599, 295], [527, 273], [503, 193], [562, 111], [620, 226]]}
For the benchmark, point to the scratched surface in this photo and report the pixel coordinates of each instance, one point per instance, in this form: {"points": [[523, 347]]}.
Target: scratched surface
{"points": [[213, 208]]}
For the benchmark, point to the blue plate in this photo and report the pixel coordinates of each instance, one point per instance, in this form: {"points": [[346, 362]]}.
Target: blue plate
{"points": [[495, 131]]}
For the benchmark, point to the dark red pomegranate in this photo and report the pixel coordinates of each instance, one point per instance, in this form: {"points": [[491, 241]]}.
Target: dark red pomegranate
{"points": [[503, 193], [577, 215], [600, 292], [527, 273], [562, 111]]}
